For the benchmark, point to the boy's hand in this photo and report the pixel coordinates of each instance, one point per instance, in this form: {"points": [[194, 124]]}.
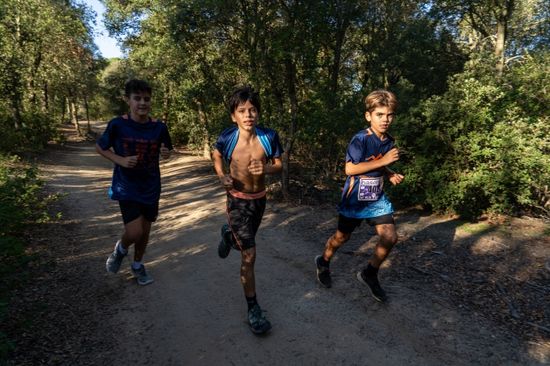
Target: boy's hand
{"points": [[164, 152], [226, 181], [128, 161], [256, 167], [391, 156], [395, 178]]}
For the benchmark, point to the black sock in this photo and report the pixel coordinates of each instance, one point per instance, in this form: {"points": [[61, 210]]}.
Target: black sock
{"points": [[251, 301], [370, 271], [324, 262]]}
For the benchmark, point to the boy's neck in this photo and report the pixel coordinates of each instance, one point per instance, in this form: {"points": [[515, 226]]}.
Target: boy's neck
{"points": [[143, 119], [380, 135], [247, 135]]}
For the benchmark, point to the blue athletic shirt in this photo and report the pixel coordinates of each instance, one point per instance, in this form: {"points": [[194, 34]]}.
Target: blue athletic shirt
{"points": [[127, 138], [359, 200], [269, 139]]}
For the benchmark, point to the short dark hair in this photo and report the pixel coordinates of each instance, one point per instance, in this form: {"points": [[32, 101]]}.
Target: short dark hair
{"points": [[241, 95], [136, 86]]}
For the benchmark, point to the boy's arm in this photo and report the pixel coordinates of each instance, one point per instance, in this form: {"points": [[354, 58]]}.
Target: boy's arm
{"points": [[367, 166], [275, 167], [225, 179], [258, 167], [123, 161], [394, 178]]}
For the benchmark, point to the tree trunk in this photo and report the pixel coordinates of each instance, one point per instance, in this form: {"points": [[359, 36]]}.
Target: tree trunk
{"points": [[89, 130], [46, 96], [337, 59], [503, 16], [72, 115], [291, 86], [206, 138], [166, 104], [63, 109]]}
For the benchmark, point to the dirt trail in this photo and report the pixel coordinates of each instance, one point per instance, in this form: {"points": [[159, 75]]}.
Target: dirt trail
{"points": [[194, 313]]}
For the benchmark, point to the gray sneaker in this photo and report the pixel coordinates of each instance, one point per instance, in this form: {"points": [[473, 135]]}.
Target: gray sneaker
{"points": [[141, 276], [114, 261], [257, 322]]}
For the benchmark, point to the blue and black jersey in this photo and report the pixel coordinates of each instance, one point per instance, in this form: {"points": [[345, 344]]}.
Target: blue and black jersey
{"points": [[128, 138], [269, 139], [363, 195]]}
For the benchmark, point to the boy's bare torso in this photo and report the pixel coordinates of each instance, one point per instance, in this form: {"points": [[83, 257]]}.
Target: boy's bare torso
{"points": [[245, 152]]}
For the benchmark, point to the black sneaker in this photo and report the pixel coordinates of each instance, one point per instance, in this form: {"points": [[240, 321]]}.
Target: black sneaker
{"points": [[225, 244], [256, 320], [372, 282], [323, 273]]}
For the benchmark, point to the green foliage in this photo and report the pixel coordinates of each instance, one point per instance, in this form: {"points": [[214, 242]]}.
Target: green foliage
{"points": [[35, 131], [20, 205], [484, 144], [48, 62]]}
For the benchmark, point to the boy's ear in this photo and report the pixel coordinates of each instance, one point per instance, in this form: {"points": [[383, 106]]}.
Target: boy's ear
{"points": [[367, 116]]}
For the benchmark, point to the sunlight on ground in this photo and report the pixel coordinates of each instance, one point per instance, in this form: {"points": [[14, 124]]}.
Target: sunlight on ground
{"points": [[487, 246], [311, 295], [184, 252], [475, 228], [540, 351]]}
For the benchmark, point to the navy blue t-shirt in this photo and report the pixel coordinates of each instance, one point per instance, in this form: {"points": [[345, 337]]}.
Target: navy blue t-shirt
{"points": [[362, 193], [127, 138]]}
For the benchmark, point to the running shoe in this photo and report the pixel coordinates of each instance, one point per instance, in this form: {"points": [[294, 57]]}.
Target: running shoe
{"points": [[372, 282], [323, 273], [256, 320], [114, 261], [225, 244], [141, 275]]}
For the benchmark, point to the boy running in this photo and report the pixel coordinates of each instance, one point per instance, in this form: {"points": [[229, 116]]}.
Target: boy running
{"points": [[251, 152], [368, 155], [133, 143]]}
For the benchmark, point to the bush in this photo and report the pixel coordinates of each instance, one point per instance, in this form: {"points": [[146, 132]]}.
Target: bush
{"points": [[34, 133], [483, 146], [20, 204]]}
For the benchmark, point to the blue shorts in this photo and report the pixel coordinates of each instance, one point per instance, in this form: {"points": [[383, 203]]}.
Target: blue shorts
{"points": [[367, 210]]}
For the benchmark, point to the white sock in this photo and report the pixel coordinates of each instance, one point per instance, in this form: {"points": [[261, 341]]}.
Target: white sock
{"points": [[136, 265], [120, 248]]}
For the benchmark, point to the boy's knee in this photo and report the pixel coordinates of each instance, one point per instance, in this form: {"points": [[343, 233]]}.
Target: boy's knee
{"points": [[248, 257], [134, 235], [340, 237], [389, 238]]}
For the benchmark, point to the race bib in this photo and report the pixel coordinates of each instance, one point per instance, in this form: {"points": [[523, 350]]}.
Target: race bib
{"points": [[370, 189]]}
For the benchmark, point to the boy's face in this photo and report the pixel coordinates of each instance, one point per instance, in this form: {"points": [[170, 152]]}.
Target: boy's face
{"points": [[380, 119], [245, 116], [140, 105]]}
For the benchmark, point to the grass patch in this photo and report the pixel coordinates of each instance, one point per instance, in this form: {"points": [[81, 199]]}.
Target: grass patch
{"points": [[475, 228]]}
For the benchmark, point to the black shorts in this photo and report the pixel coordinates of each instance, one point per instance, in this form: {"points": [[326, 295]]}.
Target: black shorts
{"points": [[244, 218], [131, 210], [346, 225]]}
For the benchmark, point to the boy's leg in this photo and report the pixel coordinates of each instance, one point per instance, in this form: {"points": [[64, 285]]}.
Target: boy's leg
{"points": [[346, 226], [133, 232], [140, 232], [369, 275], [256, 319], [248, 258], [388, 238], [143, 239], [131, 215], [333, 243]]}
